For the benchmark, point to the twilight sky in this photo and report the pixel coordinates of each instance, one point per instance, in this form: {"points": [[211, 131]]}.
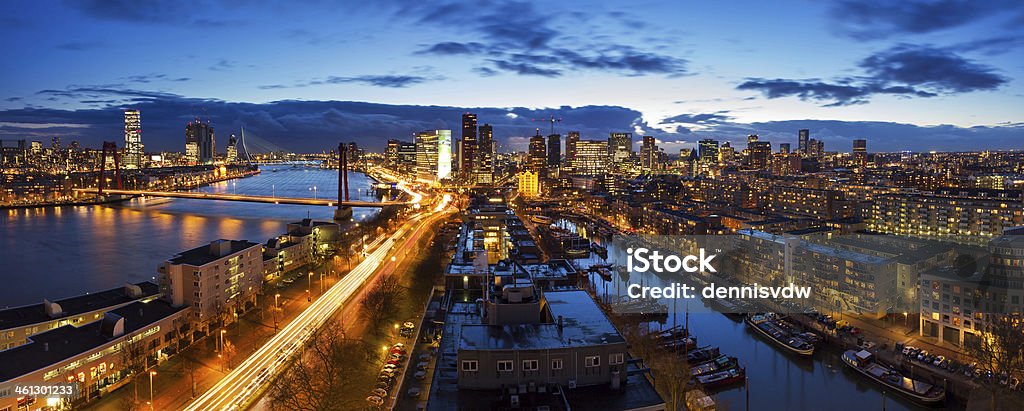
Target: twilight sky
{"points": [[906, 75]]}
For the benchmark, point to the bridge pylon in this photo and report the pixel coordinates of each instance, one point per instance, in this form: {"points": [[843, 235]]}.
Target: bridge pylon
{"points": [[344, 212]]}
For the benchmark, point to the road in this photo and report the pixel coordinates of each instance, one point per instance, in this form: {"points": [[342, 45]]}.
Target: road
{"points": [[241, 385]]}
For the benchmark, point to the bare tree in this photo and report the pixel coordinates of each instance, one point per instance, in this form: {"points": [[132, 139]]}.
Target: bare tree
{"points": [[133, 360], [381, 299], [318, 379], [188, 364], [999, 351]]}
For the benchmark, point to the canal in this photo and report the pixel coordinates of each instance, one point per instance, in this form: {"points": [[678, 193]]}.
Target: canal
{"points": [[777, 380], [58, 252]]}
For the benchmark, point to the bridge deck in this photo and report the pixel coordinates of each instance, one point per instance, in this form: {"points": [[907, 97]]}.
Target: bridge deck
{"points": [[247, 198]]}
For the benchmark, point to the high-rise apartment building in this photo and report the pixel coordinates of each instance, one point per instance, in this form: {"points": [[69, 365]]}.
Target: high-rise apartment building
{"points": [[570, 148], [232, 150], [391, 154], [759, 154], [132, 139], [802, 136], [784, 148]]}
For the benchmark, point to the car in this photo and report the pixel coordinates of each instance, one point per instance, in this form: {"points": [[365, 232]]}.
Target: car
{"points": [[375, 400], [408, 325], [399, 346], [413, 392], [425, 357], [397, 351], [422, 365], [420, 375], [383, 385], [379, 392], [394, 361], [389, 367], [907, 349], [938, 360], [397, 356]]}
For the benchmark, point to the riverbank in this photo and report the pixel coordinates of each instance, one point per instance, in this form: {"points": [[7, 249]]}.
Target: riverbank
{"points": [[109, 199]]}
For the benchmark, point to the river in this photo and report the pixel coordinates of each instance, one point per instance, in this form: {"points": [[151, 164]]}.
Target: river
{"points": [[59, 252]]}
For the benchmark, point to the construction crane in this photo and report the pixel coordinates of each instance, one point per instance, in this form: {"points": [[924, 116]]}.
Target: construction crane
{"points": [[552, 119]]}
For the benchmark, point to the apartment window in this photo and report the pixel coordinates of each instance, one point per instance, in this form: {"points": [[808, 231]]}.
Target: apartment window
{"points": [[556, 364], [592, 361], [615, 359], [505, 365], [470, 365], [530, 365]]}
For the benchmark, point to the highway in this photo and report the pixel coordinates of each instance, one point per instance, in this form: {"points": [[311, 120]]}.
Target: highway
{"points": [[243, 384]]}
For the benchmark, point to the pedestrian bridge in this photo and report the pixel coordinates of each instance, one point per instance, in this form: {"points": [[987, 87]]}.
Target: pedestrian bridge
{"points": [[250, 198]]}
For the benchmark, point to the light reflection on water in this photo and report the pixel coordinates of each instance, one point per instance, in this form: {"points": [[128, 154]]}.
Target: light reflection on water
{"points": [[55, 253]]}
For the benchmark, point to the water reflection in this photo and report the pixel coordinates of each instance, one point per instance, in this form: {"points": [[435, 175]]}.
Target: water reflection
{"points": [[59, 252]]}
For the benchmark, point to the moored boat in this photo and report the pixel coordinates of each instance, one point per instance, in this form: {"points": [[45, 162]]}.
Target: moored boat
{"points": [[766, 325], [864, 362], [702, 354], [721, 363], [722, 378]]}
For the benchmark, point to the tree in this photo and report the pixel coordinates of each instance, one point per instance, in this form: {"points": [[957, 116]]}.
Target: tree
{"points": [[382, 298], [999, 350], [133, 360], [318, 379]]}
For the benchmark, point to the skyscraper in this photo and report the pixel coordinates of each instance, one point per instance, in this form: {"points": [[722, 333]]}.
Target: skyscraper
{"points": [[726, 153], [784, 148], [802, 137], [232, 150], [648, 154], [570, 148], [484, 167], [759, 153], [554, 151], [468, 145], [132, 139], [391, 154], [860, 152], [537, 157], [434, 155], [199, 142], [620, 147], [708, 151]]}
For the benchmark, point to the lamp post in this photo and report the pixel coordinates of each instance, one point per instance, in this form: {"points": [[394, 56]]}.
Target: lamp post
{"points": [[276, 307], [905, 322], [222, 339], [151, 374]]}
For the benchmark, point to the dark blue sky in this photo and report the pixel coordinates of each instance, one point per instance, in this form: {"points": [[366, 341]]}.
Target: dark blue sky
{"points": [[906, 75]]}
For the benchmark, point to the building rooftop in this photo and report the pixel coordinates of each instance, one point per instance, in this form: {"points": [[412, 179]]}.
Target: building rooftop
{"points": [[209, 253], [583, 323], [54, 346], [36, 313]]}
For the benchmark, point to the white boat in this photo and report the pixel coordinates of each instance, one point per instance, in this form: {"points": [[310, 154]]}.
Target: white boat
{"points": [[864, 362]]}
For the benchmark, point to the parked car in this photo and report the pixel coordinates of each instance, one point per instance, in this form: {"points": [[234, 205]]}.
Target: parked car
{"points": [[375, 400], [379, 392]]}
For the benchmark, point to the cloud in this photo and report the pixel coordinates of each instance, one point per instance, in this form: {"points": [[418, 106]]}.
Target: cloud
{"points": [[451, 48], [222, 65], [939, 70], [149, 78], [311, 126], [991, 46], [904, 70], [516, 37], [700, 118], [526, 69], [156, 11], [391, 81], [873, 19]]}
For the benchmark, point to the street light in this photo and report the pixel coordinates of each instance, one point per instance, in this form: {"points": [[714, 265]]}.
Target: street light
{"points": [[905, 323], [222, 339], [151, 374], [309, 283]]}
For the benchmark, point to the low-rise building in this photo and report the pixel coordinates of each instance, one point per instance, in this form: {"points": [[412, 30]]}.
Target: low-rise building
{"points": [[19, 323], [216, 280], [96, 357]]}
